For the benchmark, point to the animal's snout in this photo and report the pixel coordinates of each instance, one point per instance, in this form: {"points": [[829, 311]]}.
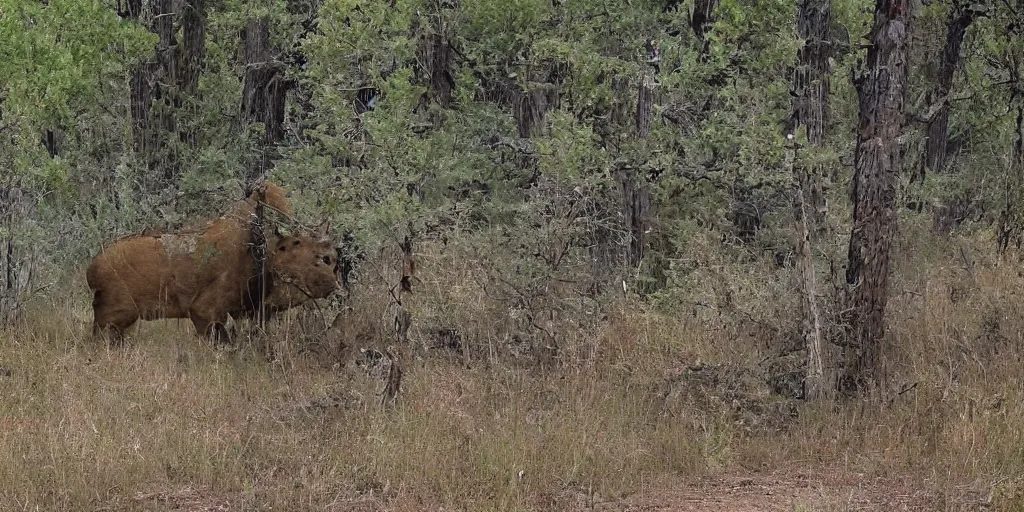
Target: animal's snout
{"points": [[327, 286], [335, 287]]}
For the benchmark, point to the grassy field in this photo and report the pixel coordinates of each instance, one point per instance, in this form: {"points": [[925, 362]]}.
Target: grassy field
{"points": [[634, 404]]}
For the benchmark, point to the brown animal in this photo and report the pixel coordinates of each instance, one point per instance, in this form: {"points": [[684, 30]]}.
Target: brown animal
{"points": [[207, 274]]}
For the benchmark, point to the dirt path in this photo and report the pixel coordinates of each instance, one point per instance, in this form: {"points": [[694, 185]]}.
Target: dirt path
{"points": [[792, 491], [778, 491]]}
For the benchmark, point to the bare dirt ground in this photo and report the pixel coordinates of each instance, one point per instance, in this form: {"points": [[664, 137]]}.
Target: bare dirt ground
{"points": [[777, 491], [781, 491]]}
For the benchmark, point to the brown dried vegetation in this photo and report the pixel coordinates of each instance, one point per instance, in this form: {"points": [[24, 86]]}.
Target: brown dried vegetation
{"points": [[638, 409]]}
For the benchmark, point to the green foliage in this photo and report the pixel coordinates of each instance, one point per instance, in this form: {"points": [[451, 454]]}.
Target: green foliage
{"points": [[57, 61], [454, 165]]}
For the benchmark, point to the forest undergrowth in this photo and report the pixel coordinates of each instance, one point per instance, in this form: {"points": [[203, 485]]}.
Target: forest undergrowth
{"points": [[492, 416], [603, 255]]}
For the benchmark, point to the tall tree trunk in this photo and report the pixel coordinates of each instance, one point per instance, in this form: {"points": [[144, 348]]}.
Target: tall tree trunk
{"points": [[263, 97], [961, 15], [129, 9], [435, 59], [193, 45], [881, 90], [636, 192], [811, 81], [190, 65], [701, 20], [165, 92], [636, 211], [154, 94], [141, 103], [818, 381], [541, 95], [811, 88], [264, 91], [1010, 218], [17, 256], [810, 110], [529, 108], [51, 143], [644, 107]]}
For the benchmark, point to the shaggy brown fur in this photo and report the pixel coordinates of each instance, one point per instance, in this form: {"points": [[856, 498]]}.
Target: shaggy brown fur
{"points": [[207, 274]]}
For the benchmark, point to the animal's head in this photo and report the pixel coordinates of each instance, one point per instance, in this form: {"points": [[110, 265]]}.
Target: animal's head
{"points": [[276, 198], [272, 195], [304, 266]]}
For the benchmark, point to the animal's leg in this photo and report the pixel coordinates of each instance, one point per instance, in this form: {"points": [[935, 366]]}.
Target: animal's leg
{"points": [[211, 329], [209, 310], [257, 320], [110, 319], [220, 334], [113, 323]]}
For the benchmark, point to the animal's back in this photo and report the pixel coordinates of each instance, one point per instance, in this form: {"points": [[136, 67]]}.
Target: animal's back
{"points": [[136, 274]]}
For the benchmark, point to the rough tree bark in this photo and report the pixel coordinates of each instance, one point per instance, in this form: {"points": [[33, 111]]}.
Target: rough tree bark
{"points": [[541, 95], [811, 89], [1010, 218], [810, 110], [530, 107], [636, 192], [435, 58], [636, 206], [141, 101], [154, 93], [263, 97], [818, 381], [644, 107], [51, 141], [881, 90], [17, 258], [961, 15], [193, 45], [701, 20], [129, 9]]}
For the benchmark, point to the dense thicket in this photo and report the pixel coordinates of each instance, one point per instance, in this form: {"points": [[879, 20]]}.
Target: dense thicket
{"points": [[600, 146]]}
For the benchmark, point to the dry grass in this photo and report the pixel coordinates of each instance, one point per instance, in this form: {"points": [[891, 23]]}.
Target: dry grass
{"points": [[170, 423]]}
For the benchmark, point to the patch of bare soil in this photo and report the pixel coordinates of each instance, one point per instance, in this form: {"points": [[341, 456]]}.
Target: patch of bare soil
{"points": [[184, 499], [789, 491], [778, 491], [190, 499]]}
